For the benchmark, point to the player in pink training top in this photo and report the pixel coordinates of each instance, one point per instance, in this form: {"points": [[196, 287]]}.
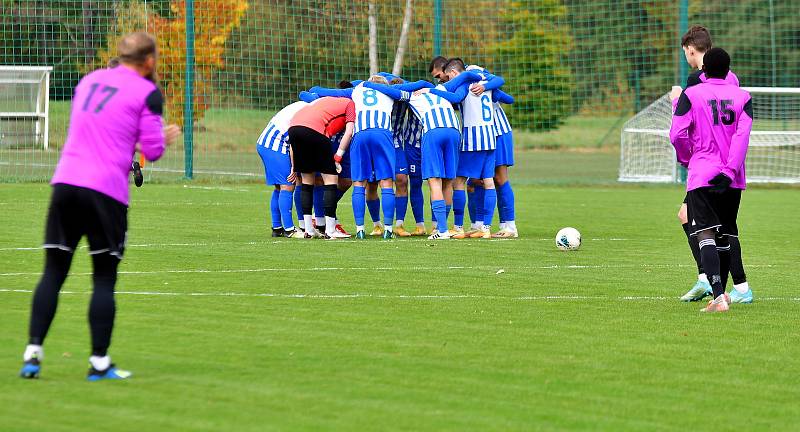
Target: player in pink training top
{"points": [[112, 110], [695, 42], [711, 131]]}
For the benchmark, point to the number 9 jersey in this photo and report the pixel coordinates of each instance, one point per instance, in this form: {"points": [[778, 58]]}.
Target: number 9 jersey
{"points": [[373, 109], [477, 113]]}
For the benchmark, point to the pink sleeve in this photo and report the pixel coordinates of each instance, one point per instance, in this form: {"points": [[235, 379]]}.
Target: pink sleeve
{"points": [[740, 141], [679, 131], [151, 135]]}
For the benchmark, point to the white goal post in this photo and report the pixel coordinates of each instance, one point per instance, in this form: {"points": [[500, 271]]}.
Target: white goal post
{"points": [[646, 154], [25, 106]]}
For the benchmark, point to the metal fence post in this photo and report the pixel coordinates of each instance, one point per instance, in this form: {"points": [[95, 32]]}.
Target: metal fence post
{"points": [[188, 104]]}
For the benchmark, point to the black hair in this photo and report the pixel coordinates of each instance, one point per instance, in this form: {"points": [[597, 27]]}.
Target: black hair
{"points": [[343, 84], [455, 64], [437, 63], [716, 63]]}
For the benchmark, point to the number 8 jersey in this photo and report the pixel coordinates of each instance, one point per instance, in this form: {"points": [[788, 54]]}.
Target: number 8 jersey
{"points": [[477, 113], [373, 109]]}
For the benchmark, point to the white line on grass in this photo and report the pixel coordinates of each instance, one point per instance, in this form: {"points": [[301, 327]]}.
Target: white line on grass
{"points": [[391, 296], [253, 243], [383, 269]]}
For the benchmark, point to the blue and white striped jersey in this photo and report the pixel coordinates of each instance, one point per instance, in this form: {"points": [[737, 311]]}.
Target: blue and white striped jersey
{"points": [[501, 124], [276, 135], [373, 109], [413, 131], [434, 111], [399, 123], [478, 131]]}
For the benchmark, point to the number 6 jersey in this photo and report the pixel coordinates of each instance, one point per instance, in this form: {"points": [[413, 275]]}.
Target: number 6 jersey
{"points": [[477, 112]]}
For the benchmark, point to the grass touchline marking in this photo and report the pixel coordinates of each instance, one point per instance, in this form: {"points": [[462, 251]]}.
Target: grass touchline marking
{"points": [[386, 296], [410, 268]]}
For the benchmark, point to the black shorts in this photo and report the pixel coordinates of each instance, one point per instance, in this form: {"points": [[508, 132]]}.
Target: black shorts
{"points": [[686, 199], [311, 150], [75, 211], [707, 210]]}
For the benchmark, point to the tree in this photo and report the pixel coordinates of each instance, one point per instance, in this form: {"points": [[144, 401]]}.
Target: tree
{"points": [[214, 21], [534, 63], [402, 42]]}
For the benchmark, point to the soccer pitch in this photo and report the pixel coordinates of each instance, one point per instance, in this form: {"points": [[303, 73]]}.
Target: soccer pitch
{"points": [[226, 328]]}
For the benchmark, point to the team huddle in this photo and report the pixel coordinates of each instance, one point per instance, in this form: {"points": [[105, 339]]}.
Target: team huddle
{"points": [[383, 137]]}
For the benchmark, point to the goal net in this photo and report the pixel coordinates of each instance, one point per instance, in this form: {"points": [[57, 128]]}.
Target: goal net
{"points": [[646, 154], [24, 100]]}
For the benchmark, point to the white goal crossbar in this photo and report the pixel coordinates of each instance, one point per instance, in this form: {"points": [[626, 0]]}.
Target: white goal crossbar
{"points": [[646, 154]]}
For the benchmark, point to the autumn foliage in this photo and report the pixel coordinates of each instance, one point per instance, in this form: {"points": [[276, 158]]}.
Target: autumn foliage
{"points": [[214, 20]]}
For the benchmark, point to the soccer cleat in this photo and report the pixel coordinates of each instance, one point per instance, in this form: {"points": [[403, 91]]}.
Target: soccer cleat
{"points": [[361, 235], [737, 297], [720, 304], [30, 369], [419, 232], [340, 229], [336, 235], [699, 291], [400, 231], [138, 178], [377, 231], [483, 233], [434, 231], [388, 235], [294, 234], [506, 233], [278, 232], [111, 373], [439, 235], [461, 234], [456, 232]]}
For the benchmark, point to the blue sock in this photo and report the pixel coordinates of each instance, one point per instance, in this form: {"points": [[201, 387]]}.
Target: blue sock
{"points": [[358, 204], [470, 205], [479, 195], [459, 202], [275, 210], [400, 207], [298, 204], [417, 199], [505, 199], [489, 202], [319, 201], [439, 211], [285, 205], [374, 207], [387, 196]]}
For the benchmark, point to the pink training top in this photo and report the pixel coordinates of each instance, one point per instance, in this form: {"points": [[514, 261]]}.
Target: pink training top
{"points": [[112, 110], [711, 131]]}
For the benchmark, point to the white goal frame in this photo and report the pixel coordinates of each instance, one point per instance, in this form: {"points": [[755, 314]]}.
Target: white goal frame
{"points": [[41, 114], [648, 132]]}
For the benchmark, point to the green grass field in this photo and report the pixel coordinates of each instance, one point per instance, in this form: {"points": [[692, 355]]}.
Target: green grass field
{"points": [[226, 329]]}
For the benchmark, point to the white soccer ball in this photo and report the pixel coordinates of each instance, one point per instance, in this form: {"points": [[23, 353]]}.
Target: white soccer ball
{"points": [[568, 239]]}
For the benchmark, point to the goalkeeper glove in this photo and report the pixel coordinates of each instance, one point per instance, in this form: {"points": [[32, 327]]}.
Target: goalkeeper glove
{"points": [[720, 183]]}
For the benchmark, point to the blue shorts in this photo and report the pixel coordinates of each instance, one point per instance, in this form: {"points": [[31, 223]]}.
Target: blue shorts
{"points": [[277, 166], [401, 164], [414, 159], [476, 164], [372, 151], [504, 155], [345, 160], [440, 153]]}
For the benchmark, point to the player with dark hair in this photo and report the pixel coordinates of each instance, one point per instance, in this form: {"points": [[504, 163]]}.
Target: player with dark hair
{"points": [[436, 68], [695, 43], [112, 110], [710, 132]]}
